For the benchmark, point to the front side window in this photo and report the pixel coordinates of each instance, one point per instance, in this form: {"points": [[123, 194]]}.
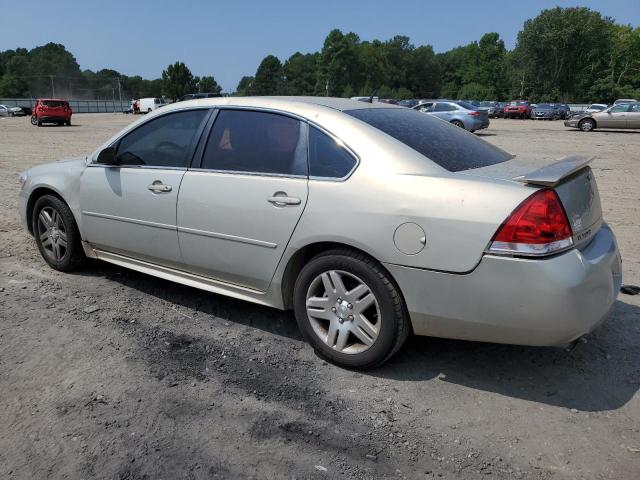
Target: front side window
{"points": [[163, 142], [327, 158], [450, 147], [256, 142], [635, 108], [619, 108]]}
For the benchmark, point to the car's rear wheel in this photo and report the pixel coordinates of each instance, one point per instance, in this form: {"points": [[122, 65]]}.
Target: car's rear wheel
{"points": [[586, 125], [68, 123], [57, 234], [349, 309], [457, 123], [34, 120]]}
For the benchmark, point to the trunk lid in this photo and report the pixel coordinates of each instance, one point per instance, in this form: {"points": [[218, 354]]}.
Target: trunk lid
{"points": [[573, 181]]}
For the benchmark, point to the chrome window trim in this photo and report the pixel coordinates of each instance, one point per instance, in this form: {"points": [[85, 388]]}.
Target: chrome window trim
{"points": [[141, 167], [250, 174]]}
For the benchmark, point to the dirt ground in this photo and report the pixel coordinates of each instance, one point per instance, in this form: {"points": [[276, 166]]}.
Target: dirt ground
{"points": [[109, 373]]}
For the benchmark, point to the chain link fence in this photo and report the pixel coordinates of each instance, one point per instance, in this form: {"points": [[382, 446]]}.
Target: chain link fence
{"points": [[78, 106]]}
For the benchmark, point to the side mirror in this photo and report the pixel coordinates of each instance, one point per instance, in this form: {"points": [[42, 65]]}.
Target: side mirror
{"points": [[107, 156]]}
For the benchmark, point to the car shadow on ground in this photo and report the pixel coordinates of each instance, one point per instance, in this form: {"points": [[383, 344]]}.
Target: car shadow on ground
{"points": [[600, 374], [604, 130]]}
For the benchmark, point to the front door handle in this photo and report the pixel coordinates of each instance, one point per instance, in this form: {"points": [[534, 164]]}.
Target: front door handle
{"points": [[159, 187], [280, 199]]}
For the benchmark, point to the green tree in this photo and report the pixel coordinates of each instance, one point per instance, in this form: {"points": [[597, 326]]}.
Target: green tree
{"points": [[208, 84], [244, 86], [177, 80], [268, 80], [563, 51], [338, 65], [299, 74]]}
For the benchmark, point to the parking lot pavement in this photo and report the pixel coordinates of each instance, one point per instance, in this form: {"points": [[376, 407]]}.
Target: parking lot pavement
{"points": [[109, 373]]}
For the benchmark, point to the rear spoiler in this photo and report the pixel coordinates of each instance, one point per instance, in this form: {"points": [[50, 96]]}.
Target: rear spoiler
{"points": [[551, 175]]}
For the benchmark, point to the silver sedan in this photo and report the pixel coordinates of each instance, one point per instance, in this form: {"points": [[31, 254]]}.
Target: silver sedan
{"points": [[370, 221]]}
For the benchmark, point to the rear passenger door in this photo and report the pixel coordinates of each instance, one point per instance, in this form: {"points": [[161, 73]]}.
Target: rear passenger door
{"points": [[238, 208], [444, 111]]}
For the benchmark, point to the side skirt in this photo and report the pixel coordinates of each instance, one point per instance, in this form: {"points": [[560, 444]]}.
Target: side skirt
{"points": [[190, 279]]}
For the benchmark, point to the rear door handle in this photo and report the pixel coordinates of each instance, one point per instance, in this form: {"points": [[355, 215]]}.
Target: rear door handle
{"points": [[159, 187], [280, 199]]}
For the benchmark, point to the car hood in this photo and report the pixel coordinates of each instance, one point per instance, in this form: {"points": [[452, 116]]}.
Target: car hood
{"points": [[578, 116], [65, 165]]}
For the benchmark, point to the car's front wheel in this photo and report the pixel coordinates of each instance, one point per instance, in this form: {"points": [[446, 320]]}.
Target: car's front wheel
{"points": [[57, 234], [349, 309], [587, 125]]}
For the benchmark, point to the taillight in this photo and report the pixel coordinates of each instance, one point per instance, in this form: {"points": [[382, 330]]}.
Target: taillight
{"points": [[473, 114], [538, 227]]}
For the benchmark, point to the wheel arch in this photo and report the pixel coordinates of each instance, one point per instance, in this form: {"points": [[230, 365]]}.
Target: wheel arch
{"points": [[33, 198], [300, 258], [595, 123]]}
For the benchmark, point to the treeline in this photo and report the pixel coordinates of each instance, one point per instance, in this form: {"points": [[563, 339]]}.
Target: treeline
{"points": [[563, 54], [51, 70]]}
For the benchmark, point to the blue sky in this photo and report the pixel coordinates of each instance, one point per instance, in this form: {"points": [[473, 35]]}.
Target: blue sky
{"points": [[228, 39]]}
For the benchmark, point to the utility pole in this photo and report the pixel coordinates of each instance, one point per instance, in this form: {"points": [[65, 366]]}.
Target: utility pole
{"points": [[53, 90], [119, 92]]}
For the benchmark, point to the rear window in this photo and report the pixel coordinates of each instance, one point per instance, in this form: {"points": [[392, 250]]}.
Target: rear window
{"points": [[54, 103], [450, 147]]}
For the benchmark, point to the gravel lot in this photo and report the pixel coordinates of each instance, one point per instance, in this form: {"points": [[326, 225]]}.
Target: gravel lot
{"points": [[108, 373]]}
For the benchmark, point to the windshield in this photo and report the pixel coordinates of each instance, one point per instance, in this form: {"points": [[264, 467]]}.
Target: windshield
{"points": [[486, 104], [544, 105], [450, 147]]}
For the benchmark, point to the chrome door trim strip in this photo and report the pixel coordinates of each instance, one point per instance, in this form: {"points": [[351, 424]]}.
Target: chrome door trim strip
{"points": [[129, 220], [224, 236]]}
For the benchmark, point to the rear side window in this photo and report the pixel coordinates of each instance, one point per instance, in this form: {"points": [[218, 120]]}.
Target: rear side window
{"points": [[256, 142], [163, 142], [444, 107], [449, 146], [327, 158]]}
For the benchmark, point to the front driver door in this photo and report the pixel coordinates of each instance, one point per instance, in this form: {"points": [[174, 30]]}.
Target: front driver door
{"points": [[130, 208], [237, 212], [633, 116], [615, 117]]}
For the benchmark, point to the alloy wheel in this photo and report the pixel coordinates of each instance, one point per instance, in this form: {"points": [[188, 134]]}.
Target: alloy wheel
{"points": [[343, 311], [52, 233]]}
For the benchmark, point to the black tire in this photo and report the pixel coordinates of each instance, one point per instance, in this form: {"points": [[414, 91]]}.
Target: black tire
{"points": [[34, 120], [73, 255], [394, 326], [39, 123], [457, 123], [587, 125], [68, 123]]}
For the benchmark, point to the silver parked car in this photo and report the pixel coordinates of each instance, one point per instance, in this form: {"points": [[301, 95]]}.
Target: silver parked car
{"points": [[370, 221], [622, 115], [458, 113]]}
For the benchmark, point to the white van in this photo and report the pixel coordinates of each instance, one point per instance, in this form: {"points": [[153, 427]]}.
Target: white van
{"points": [[149, 104]]}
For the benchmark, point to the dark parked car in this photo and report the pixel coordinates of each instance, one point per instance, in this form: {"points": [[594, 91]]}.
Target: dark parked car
{"points": [[563, 109], [545, 111], [494, 109], [409, 103]]}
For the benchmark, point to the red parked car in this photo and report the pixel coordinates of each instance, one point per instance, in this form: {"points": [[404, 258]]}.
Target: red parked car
{"points": [[517, 109], [51, 110]]}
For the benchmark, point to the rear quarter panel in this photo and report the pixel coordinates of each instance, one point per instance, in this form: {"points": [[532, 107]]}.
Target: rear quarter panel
{"points": [[458, 215]]}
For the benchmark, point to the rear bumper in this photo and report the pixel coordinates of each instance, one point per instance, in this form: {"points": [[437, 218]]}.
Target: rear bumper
{"points": [[548, 302], [54, 118], [476, 124]]}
